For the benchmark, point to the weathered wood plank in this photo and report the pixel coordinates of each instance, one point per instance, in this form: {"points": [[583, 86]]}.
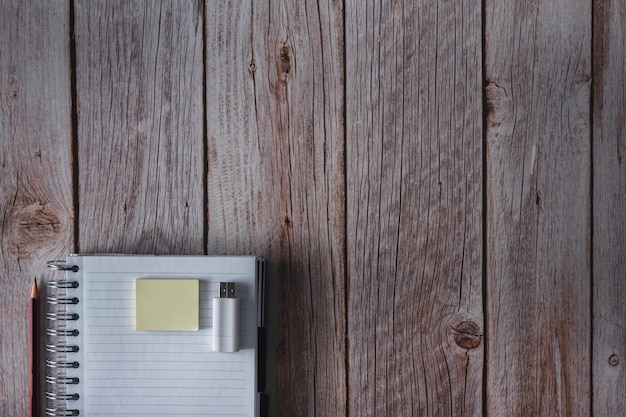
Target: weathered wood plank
{"points": [[609, 209], [275, 182], [538, 70], [141, 150], [414, 217], [35, 175]]}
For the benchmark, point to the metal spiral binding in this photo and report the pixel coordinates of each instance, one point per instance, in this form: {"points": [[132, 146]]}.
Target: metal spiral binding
{"points": [[61, 397], [63, 284], [59, 265], [61, 364], [61, 412], [62, 300], [61, 348], [62, 316], [62, 380], [61, 332], [58, 381]]}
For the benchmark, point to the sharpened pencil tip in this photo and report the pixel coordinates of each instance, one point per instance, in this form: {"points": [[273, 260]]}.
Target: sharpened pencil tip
{"points": [[34, 292]]}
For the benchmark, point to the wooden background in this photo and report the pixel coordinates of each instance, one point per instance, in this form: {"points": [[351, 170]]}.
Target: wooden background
{"points": [[439, 186]]}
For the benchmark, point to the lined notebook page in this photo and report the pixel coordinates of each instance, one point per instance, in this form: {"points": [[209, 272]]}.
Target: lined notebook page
{"points": [[124, 372]]}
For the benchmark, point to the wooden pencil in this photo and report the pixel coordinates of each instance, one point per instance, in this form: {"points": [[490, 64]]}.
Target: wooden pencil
{"points": [[34, 344]]}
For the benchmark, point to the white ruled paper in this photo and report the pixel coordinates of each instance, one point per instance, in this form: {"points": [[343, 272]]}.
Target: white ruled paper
{"points": [[124, 372]]}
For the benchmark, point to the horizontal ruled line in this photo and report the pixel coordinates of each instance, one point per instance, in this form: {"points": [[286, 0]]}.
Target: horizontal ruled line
{"points": [[178, 414], [163, 361], [129, 378], [96, 395], [176, 343]]}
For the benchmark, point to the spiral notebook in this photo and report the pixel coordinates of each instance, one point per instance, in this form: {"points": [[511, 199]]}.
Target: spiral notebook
{"points": [[109, 355]]}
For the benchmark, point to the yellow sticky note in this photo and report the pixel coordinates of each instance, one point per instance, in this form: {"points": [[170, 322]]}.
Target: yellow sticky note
{"points": [[167, 304]]}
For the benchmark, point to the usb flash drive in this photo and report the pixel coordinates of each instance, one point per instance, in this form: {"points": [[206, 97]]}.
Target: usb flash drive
{"points": [[226, 319]]}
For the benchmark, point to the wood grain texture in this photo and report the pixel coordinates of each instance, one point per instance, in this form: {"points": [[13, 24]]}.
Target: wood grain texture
{"points": [[414, 217], [139, 72], [35, 205], [275, 182], [609, 209], [346, 148], [538, 74]]}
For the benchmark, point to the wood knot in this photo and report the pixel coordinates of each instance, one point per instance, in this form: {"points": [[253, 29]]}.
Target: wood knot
{"points": [[33, 226], [14, 88], [613, 360], [252, 67], [498, 104], [467, 335], [285, 60], [38, 222]]}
